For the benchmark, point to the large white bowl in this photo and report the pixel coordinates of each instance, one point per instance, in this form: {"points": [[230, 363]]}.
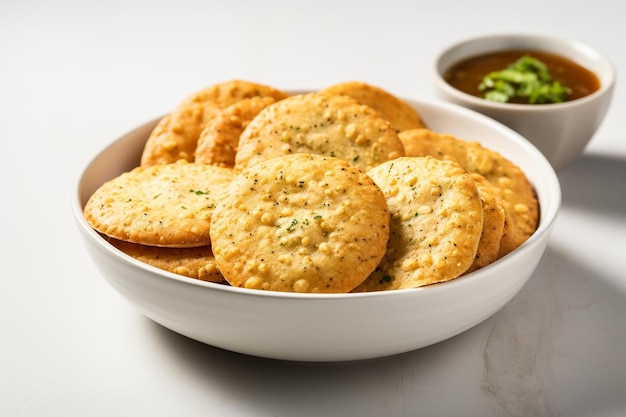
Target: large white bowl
{"points": [[326, 327], [560, 131]]}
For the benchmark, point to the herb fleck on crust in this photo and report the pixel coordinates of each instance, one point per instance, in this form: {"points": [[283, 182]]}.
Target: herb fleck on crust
{"points": [[161, 205], [509, 181], [400, 114], [329, 125], [303, 223], [436, 223]]}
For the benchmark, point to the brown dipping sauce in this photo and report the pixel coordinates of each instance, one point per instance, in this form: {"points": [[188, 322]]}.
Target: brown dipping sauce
{"points": [[466, 75]]}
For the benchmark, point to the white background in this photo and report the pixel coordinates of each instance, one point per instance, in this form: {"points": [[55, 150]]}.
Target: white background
{"points": [[75, 75]]}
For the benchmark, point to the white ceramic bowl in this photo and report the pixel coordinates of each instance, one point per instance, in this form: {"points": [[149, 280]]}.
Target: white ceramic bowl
{"points": [[560, 131], [326, 327]]}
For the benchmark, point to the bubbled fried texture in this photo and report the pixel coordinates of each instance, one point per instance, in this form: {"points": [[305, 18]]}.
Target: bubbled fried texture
{"points": [[436, 223], [161, 205], [219, 140], [493, 224], [400, 114], [198, 263], [509, 181], [176, 135], [300, 223], [336, 126]]}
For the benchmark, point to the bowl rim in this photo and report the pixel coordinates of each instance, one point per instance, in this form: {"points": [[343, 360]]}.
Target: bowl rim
{"points": [[606, 85], [546, 221]]}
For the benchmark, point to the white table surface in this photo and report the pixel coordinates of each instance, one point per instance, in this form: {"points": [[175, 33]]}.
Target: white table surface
{"points": [[74, 75]]}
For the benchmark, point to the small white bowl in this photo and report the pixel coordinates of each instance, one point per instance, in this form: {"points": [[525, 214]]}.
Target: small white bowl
{"points": [[326, 327], [560, 131]]}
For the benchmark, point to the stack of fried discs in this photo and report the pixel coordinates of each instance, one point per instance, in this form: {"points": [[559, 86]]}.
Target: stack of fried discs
{"points": [[335, 191]]}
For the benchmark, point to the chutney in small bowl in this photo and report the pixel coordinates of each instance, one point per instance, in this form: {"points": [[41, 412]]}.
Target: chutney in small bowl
{"points": [[558, 107]]}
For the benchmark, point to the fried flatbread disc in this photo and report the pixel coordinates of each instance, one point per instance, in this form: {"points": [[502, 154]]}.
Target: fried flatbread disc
{"points": [[513, 188], [323, 124], [493, 224], [176, 135], [436, 223], [161, 205], [300, 223], [400, 114], [219, 141], [198, 263]]}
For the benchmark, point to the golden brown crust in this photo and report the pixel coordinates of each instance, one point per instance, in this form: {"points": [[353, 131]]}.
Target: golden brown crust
{"points": [[400, 114], [198, 263], [336, 126], [301, 222], [226, 93], [219, 141], [512, 187], [436, 223], [306, 212], [493, 224], [176, 137], [161, 205]]}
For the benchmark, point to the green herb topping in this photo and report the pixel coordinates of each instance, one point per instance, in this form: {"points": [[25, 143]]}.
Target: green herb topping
{"points": [[527, 78], [292, 226], [198, 192], [386, 279]]}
